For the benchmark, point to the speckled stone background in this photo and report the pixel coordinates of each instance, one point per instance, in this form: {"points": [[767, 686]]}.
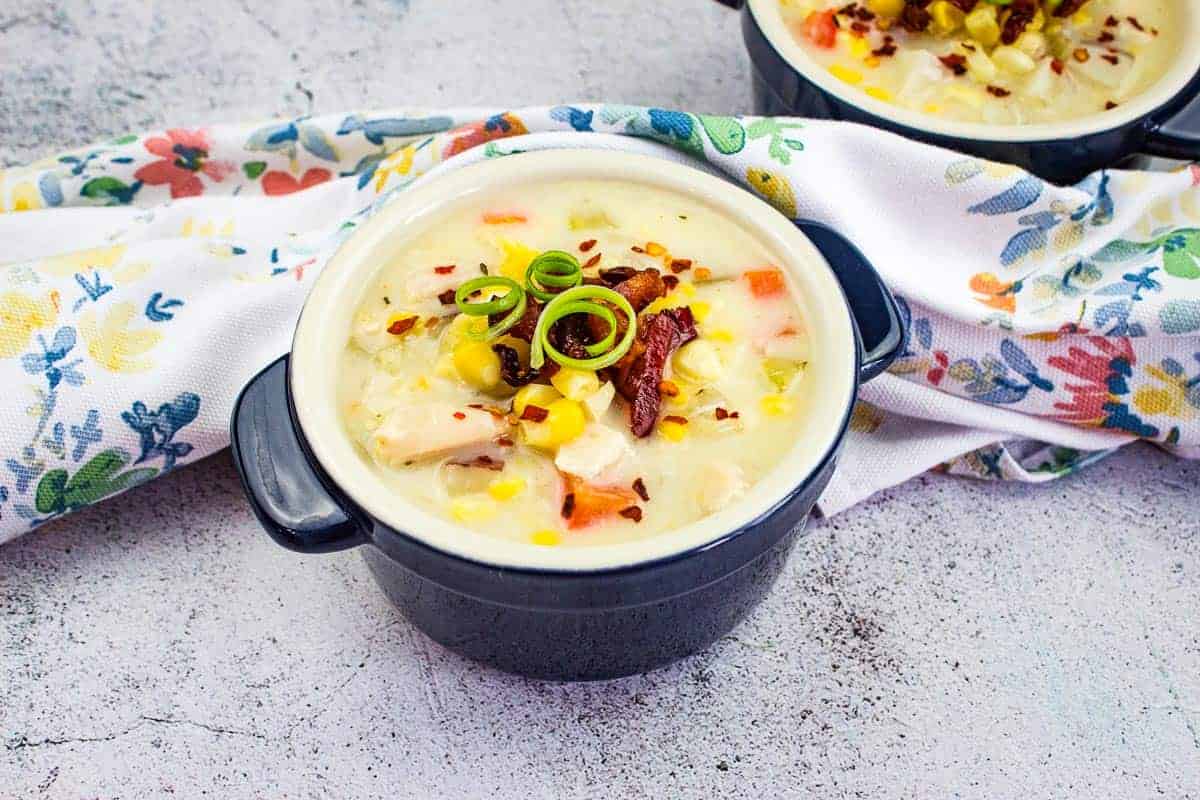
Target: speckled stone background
{"points": [[946, 639]]}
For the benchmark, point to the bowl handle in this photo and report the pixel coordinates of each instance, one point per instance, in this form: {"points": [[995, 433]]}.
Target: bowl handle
{"points": [[1177, 137], [874, 311], [287, 494]]}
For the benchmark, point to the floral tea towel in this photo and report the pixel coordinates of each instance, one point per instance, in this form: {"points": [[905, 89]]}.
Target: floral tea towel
{"points": [[155, 274]]}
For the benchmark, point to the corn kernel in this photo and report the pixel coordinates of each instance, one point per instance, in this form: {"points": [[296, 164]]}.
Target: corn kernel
{"points": [[477, 364], [860, 47], [655, 249], [775, 405], [982, 24], [850, 76], [546, 538], [672, 431], [701, 310], [564, 422], [538, 394], [472, 509], [503, 489], [672, 300], [575, 383], [946, 17], [516, 260], [723, 335], [872, 61], [879, 93], [886, 8]]}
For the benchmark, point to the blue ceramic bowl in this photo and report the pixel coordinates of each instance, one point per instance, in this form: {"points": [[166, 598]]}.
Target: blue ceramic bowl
{"points": [[1164, 121], [569, 613]]}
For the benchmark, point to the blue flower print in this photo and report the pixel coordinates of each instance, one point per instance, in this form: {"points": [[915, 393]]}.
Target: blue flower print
{"points": [[157, 429]]}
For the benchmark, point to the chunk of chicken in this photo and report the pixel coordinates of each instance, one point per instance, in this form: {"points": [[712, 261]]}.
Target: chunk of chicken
{"points": [[411, 433], [426, 284], [719, 484], [369, 331], [597, 455]]}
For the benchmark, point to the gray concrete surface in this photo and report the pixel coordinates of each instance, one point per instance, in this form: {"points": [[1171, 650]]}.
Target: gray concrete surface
{"points": [[946, 639]]}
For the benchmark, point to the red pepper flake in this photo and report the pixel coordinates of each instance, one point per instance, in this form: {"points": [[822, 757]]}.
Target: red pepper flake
{"points": [[446, 298], [1105, 37], [445, 269], [459, 415], [433, 322], [498, 413], [998, 91], [588, 245], [639, 486], [504, 441], [1134, 22], [859, 29], [633, 512], [1111, 22], [678, 420], [955, 62], [637, 249], [534, 413], [1111, 59], [568, 506], [481, 462], [887, 49], [670, 281], [1081, 55], [668, 388], [703, 274], [402, 326], [387, 301], [734, 414], [1110, 105], [721, 413], [680, 264], [1057, 65], [593, 261]]}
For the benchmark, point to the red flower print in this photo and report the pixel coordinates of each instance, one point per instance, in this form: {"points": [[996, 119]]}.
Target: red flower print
{"points": [[936, 374], [1195, 174], [496, 127], [184, 155], [276, 182], [1100, 370]]}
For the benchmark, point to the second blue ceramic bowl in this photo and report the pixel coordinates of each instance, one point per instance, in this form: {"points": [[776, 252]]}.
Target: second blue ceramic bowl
{"points": [[1163, 121]]}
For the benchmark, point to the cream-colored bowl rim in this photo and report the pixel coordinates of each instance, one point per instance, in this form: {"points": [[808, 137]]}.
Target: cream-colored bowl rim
{"points": [[324, 326], [770, 20]]}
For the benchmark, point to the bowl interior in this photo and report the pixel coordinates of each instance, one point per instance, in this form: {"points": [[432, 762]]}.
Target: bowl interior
{"points": [[1183, 69], [325, 324]]}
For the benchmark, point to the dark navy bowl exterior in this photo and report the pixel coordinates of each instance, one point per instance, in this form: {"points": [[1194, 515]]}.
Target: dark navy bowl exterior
{"points": [[782, 90]]}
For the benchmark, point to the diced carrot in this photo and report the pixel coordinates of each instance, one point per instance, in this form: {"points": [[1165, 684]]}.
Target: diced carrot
{"points": [[502, 218], [765, 282], [820, 28], [589, 503]]}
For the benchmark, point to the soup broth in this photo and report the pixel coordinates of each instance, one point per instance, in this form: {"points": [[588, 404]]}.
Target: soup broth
{"points": [[1017, 62], [458, 420]]}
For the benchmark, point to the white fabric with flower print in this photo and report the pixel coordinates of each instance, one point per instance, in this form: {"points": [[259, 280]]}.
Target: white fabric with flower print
{"points": [[156, 274]]}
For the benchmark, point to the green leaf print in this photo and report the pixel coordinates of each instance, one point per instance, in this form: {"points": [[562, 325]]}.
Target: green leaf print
{"points": [[726, 133], [98, 478], [110, 190], [781, 147], [254, 168], [1181, 254]]}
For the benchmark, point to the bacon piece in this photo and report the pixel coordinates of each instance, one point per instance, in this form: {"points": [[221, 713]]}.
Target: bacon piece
{"points": [[641, 288], [664, 333], [525, 325], [511, 370], [1021, 14], [1068, 7], [534, 413]]}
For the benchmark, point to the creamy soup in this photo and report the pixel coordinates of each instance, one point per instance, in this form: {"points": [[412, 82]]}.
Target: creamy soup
{"points": [[553, 419], [1016, 62]]}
